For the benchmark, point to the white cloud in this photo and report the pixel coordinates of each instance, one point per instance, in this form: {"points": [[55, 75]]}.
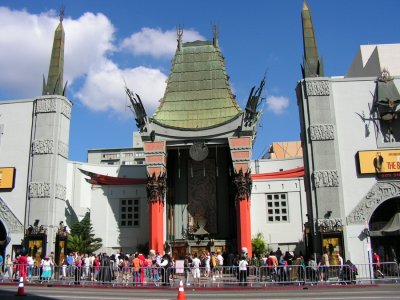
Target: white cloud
{"points": [[25, 50], [93, 77], [26, 41], [88, 40], [155, 42], [104, 88], [277, 105]]}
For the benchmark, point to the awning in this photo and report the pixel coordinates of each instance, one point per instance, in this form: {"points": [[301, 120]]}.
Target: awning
{"points": [[391, 228]]}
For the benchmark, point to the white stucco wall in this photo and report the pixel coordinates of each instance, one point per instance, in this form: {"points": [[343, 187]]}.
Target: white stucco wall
{"points": [[16, 117], [286, 235], [353, 96], [103, 202]]}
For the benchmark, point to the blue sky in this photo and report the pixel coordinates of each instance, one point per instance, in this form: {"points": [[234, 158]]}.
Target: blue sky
{"points": [[108, 42]]}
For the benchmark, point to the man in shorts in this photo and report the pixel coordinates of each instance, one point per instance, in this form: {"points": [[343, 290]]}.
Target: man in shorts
{"points": [[196, 263]]}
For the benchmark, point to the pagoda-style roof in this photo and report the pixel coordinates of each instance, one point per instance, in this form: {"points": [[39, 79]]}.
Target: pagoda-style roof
{"points": [[198, 95]]}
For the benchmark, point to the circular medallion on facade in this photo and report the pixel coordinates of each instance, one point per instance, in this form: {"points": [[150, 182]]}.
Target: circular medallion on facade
{"points": [[198, 151]]}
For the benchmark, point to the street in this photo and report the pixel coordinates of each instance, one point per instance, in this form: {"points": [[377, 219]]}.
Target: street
{"points": [[314, 293]]}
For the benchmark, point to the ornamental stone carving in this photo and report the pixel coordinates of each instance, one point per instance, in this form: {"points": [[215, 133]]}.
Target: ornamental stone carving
{"points": [[46, 105], [322, 132], [63, 149], [317, 88], [66, 109], [329, 225], [43, 147], [156, 187], [379, 193], [10, 221], [61, 192], [326, 178], [242, 184], [39, 190]]}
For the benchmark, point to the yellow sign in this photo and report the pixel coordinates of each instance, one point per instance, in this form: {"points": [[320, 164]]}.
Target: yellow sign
{"points": [[7, 178], [379, 161]]}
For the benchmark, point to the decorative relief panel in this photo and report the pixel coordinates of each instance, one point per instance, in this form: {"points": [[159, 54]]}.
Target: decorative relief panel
{"points": [[63, 149], [322, 132], [66, 109], [379, 193], [46, 105], [43, 147], [317, 88], [61, 192], [329, 225], [326, 178], [39, 190], [11, 222]]}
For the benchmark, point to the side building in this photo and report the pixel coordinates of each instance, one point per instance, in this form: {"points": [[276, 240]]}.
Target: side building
{"points": [[351, 134]]}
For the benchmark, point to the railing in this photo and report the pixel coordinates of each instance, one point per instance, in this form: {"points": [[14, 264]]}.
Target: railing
{"points": [[264, 276]]}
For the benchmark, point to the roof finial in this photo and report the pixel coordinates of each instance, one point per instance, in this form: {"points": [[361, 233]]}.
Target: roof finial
{"points": [[61, 14], [215, 33], [179, 32]]}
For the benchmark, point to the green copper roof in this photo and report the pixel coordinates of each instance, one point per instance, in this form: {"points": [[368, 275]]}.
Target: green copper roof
{"points": [[312, 65], [198, 94], [55, 83]]}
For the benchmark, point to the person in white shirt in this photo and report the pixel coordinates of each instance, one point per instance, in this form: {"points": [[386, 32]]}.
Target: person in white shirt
{"points": [[243, 270], [220, 267], [196, 263], [30, 266], [207, 265]]}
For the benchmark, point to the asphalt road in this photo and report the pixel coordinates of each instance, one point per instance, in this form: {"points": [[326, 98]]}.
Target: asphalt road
{"points": [[391, 291]]}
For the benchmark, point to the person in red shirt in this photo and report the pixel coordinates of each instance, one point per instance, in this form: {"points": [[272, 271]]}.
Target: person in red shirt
{"points": [[377, 266], [22, 265], [142, 259]]}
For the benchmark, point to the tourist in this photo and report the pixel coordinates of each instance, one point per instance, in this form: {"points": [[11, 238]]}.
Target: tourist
{"points": [[243, 271]]}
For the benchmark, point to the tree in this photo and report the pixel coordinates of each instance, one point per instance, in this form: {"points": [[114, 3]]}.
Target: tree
{"points": [[259, 245], [82, 239]]}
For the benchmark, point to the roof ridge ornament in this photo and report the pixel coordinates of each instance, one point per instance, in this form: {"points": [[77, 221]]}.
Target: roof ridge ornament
{"points": [[215, 30], [61, 14], [385, 76], [179, 33]]}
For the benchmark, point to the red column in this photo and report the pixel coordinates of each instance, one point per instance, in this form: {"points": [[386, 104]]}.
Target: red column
{"points": [[156, 226], [155, 154], [243, 225], [240, 148]]}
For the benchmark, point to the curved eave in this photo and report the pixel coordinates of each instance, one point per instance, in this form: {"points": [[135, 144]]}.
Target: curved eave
{"points": [[198, 128], [293, 173]]}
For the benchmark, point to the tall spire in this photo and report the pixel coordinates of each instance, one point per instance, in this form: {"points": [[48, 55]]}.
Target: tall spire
{"points": [[312, 65], [54, 85]]}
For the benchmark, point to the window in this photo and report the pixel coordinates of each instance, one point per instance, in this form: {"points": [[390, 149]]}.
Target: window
{"points": [[129, 213], [277, 208]]}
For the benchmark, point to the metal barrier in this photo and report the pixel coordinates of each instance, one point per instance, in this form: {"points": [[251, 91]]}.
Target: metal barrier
{"points": [[263, 276]]}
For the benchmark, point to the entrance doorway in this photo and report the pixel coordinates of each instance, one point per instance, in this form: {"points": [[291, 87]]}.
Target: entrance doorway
{"points": [[3, 239], [385, 230]]}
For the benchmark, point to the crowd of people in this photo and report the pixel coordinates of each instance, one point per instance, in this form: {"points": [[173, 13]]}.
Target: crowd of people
{"points": [[139, 269]]}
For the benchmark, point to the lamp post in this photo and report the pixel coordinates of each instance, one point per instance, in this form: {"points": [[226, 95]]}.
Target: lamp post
{"points": [[369, 252]]}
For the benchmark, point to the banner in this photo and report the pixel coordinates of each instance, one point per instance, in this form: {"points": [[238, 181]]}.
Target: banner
{"points": [[7, 176], [379, 161]]}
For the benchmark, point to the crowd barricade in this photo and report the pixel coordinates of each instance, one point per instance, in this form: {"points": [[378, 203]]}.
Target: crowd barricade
{"points": [[288, 274], [207, 277]]}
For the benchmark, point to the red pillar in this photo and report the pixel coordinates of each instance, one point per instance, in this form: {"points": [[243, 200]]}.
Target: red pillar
{"points": [[156, 160], [243, 225], [240, 148], [156, 226]]}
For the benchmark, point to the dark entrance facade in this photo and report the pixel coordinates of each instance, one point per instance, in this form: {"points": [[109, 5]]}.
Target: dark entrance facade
{"points": [[200, 201]]}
